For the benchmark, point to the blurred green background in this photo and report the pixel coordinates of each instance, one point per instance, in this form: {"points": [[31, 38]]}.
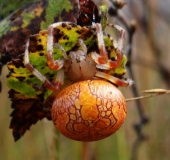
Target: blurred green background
{"points": [[150, 60]]}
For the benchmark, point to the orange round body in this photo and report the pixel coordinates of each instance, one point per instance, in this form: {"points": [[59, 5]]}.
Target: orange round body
{"points": [[89, 110]]}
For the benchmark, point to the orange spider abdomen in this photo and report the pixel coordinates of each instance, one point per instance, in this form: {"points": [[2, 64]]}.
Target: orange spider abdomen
{"points": [[89, 110]]}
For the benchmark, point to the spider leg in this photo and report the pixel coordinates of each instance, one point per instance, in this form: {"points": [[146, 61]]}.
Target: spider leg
{"points": [[122, 32], [54, 64], [81, 53], [102, 58], [115, 80], [56, 85], [110, 64]]}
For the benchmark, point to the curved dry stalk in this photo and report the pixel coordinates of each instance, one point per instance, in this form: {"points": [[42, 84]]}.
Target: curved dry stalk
{"points": [[153, 92]]}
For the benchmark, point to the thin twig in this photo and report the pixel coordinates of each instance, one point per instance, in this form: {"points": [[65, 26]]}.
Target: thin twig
{"points": [[155, 92]]}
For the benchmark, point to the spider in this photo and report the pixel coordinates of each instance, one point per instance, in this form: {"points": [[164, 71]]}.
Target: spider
{"points": [[80, 60], [77, 61]]}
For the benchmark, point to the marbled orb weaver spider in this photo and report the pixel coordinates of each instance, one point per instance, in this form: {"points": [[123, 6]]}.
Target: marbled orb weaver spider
{"points": [[86, 110], [89, 109]]}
